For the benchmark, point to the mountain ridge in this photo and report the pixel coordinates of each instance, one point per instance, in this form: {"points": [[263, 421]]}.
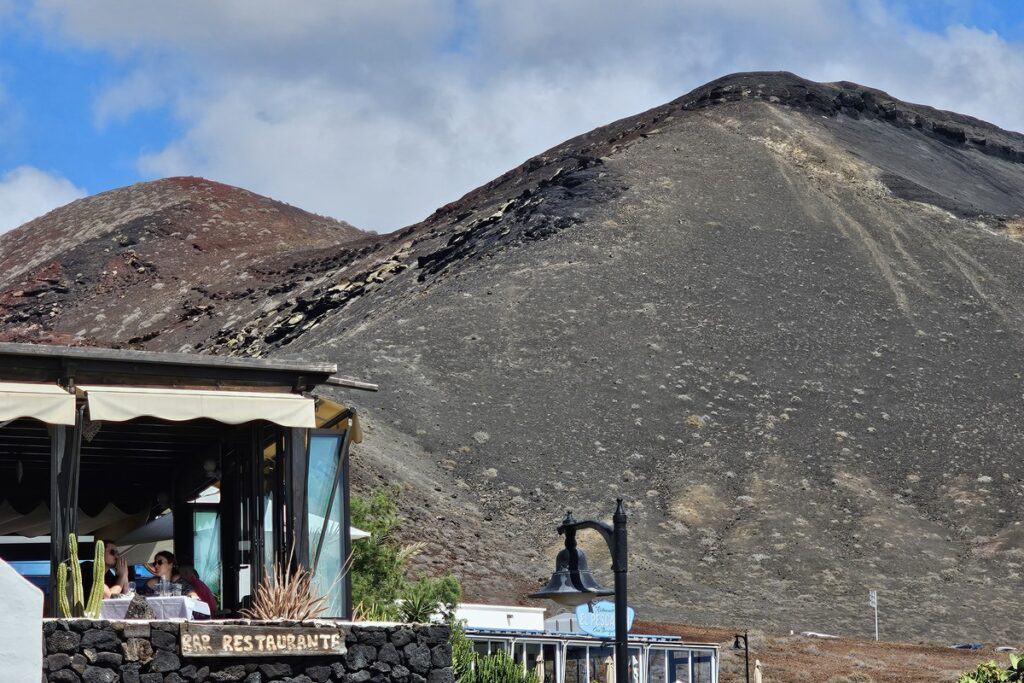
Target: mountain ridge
{"points": [[787, 332]]}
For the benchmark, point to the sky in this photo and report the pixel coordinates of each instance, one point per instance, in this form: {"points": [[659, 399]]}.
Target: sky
{"points": [[379, 111]]}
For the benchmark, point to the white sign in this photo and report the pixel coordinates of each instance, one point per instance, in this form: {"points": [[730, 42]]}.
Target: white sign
{"points": [[873, 598]]}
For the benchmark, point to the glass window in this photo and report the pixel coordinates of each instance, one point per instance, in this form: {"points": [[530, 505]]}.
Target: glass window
{"points": [[576, 664], [602, 664], [269, 481], [206, 530], [679, 666], [657, 666], [702, 666], [490, 647], [323, 471], [539, 658], [634, 664]]}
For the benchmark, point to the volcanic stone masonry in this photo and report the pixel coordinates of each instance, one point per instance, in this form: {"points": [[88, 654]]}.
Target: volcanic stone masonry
{"points": [[91, 651]]}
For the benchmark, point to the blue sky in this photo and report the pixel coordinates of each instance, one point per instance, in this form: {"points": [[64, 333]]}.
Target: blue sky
{"points": [[378, 112]]}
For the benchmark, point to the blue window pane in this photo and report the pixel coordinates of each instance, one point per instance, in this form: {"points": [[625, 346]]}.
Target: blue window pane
{"points": [[324, 452], [207, 549]]}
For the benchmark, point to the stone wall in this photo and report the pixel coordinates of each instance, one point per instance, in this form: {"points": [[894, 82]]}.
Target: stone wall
{"points": [[88, 651]]}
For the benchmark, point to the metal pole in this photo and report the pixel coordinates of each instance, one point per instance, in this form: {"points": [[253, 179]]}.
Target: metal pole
{"points": [[876, 619], [619, 567], [746, 654]]}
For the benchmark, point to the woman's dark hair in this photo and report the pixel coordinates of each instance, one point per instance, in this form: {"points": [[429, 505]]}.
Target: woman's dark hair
{"points": [[169, 556], [188, 573]]}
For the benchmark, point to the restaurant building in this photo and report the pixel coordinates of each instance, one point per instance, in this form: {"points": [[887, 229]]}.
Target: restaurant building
{"points": [[102, 443], [559, 650]]}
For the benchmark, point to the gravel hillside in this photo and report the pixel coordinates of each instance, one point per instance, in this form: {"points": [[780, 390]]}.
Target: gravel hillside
{"points": [[782, 319]]}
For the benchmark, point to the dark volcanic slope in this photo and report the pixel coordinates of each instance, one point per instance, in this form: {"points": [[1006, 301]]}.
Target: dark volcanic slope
{"points": [[782, 319], [172, 258]]}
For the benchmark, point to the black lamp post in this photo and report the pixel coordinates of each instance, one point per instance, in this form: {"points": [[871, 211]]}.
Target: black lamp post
{"points": [[746, 652], [573, 584]]}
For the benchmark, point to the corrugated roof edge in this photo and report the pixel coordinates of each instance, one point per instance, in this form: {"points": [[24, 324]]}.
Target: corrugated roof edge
{"points": [[160, 357]]}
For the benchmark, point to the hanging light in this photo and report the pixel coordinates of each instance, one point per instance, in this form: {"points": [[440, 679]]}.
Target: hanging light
{"points": [[572, 583]]}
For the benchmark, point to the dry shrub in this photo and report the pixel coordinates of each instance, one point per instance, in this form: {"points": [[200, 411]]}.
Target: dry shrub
{"points": [[287, 594]]}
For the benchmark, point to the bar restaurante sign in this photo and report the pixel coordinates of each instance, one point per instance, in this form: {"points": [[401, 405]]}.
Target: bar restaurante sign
{"points": [[252, 640]]}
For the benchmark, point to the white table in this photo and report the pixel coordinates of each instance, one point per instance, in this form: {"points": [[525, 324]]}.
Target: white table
{"points": [[170, 607]]}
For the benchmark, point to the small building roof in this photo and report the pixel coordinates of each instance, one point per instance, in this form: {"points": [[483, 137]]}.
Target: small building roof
{"points": [[52, 363]]}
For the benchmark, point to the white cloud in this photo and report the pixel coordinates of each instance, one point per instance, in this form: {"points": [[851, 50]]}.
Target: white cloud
{"points": [[26, 193], [378, 112]]}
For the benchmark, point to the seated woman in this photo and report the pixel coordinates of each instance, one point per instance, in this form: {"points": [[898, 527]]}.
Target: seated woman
{"points": [[164, 568]]}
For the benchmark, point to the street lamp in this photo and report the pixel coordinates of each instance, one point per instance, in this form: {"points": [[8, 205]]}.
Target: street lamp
{"points": [[746, 652], [573, 584]]}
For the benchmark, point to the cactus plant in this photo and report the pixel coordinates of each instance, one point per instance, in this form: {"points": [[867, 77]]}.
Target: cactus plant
{"points": [[78, 607], [99, 567], [497, 668], [62, 590]]}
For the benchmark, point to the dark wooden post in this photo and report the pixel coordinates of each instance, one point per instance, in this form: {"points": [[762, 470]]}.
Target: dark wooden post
{"points": [[297, 474], [65, 457], [184, 532]]}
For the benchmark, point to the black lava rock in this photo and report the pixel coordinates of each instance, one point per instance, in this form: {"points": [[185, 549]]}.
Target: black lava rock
{"points": [[417, 657], [389, 654], [95, 674], [63, 641], [320, 674], [232, 673], [63, 676], [101, 639], [164, 661], [275, 670], [138, 608], [58, 661], [164, 641], [110, 660], [359, 656]]}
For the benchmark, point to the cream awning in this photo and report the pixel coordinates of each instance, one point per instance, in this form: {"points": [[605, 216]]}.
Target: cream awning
{"points": [[45, 402], [118, 404]]}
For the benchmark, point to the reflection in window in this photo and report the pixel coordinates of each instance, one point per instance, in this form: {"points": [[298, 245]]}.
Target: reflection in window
{"points": [[206, 545], [490, 647], [602, 664], [701, 666], [656, 666], [576, 664], [539, 658], [634, 665], [679, 666], [323, 471]]}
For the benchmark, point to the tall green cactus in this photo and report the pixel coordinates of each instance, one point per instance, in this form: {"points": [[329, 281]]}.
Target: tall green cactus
{"points": [[62, 590], [77, 597], [78, 607], [99, 568]]}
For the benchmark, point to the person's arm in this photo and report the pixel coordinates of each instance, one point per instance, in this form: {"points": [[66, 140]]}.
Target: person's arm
{"points": [[121, 575]]}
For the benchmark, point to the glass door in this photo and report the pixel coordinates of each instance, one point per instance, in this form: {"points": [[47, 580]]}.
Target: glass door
{"points": [[327, 525], [206, 547]]}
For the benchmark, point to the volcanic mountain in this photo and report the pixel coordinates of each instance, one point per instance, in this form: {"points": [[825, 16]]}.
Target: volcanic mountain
{"points": [[782, 319], [150, 259]]}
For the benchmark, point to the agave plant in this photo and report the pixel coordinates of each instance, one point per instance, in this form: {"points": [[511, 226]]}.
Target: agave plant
{"points": [[1016, 671], [286, 593]]}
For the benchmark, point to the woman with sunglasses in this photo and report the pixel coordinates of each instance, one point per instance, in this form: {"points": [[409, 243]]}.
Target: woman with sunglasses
{"points": [[164, 568]]}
